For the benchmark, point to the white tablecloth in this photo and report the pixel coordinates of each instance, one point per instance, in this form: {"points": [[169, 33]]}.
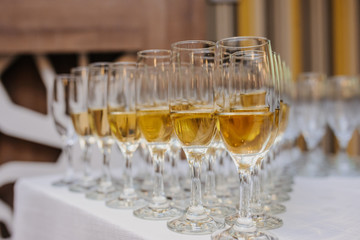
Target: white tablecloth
{"points": [[327, 208]]}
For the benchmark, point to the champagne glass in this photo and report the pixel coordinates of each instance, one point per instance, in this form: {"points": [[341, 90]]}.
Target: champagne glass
{"points": [[192, 113], [155, 125], [311, 119], [123, 125], [252, 101], [284, 180], [341, 105], [97, 108], [60, 110], [246, 102], [271, 194], [80, 120]]}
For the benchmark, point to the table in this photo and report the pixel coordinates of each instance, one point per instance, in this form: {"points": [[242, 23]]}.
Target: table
{"points": [[320, 208]]}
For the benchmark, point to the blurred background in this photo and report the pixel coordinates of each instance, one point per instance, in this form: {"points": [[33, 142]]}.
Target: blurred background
{"points": [[40, 38]]}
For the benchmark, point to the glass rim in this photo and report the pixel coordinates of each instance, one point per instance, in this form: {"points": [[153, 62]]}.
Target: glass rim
{"points": [[64, 76], [174, 46], [311, 75], [99, 65], [340, 77], [220, 43], [79, 68], [128, 64], [257, 54], [276, 53], [152, 53]]}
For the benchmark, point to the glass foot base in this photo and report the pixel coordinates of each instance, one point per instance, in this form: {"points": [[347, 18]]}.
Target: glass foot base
{"points": [[284, 187], [102, 194], [181, 204], [184, 225], [232, 234], [157, 213], [263, 222], [280, 197], [230, 201], [219, 211], [63, 182], [275, 208], [147, 185], [82, 187], [267, 222], [126, 203]]}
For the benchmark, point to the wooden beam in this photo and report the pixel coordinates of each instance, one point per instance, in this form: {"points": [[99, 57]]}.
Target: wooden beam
{"points": [[42, 26]]}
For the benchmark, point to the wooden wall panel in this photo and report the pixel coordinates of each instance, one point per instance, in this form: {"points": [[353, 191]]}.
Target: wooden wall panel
{"points": [[43, 26]]}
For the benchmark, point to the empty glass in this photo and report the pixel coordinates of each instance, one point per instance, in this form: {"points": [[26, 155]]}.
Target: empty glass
{"points": [[60, 110], [311, 120], [342, 108]]}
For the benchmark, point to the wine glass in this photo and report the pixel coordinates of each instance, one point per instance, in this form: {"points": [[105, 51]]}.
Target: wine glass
{"points": [[341, 105], [80, 120], [124, 127], [246, 101], [191, 100], [97, 109], [155, 125], [284, 178], [272, 193], [260, 208], [252, 47], [311, 119], [60, 110]]}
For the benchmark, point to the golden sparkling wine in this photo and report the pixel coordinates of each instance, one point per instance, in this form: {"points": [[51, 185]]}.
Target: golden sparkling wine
{"points": [[246, 132], [274, 131], [285, 109], [99, 122], [250, 109], [81, 123], [123, 126], [253, 99], [194, 128], [155, 125], [215, 144]]}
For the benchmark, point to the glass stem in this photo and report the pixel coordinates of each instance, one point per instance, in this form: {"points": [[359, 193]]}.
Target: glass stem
{"points": [[174, 178], [210, 184], [128, 180], [221, 183], [158, 191], [86, 154], [343, 163], [196, 209], [69, 174], [244, 222], [265, 178], [106, 176], [270, 172], [256, 208]]}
